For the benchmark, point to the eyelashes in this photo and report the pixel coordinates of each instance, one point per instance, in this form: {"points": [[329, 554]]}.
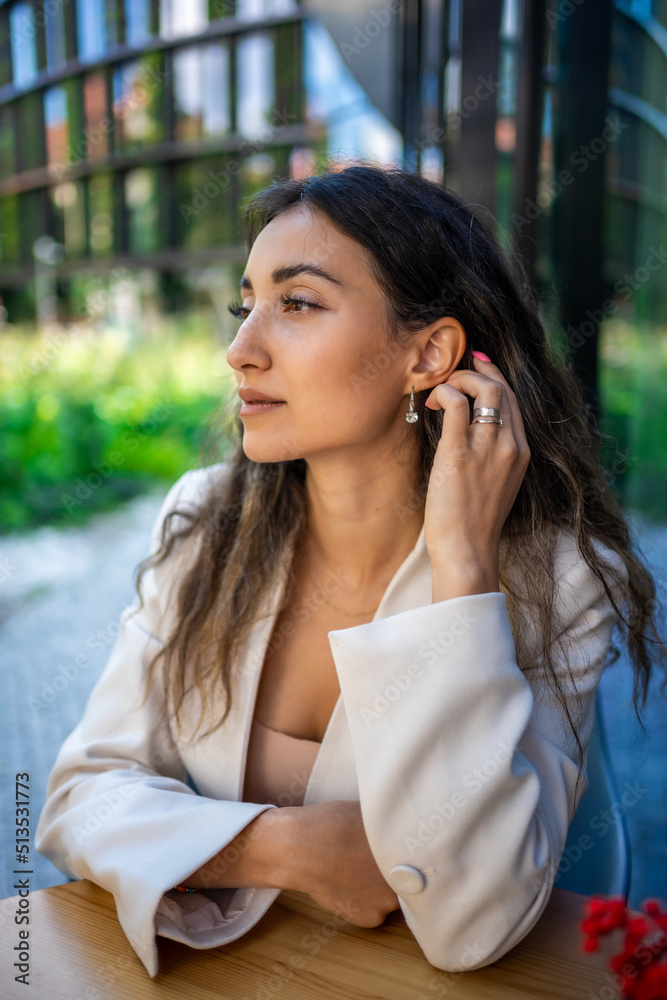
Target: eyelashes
{"points": [[236, 309], [241, 312]]}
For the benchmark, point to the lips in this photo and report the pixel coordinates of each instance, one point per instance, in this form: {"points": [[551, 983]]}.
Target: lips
{"points": [[254, 396]]}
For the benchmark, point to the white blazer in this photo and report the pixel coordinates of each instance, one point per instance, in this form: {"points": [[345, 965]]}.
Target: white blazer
{"points": [[464, 766]]}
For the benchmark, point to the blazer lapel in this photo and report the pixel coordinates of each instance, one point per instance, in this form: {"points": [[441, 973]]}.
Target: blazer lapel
{"points": [[217, 764]]}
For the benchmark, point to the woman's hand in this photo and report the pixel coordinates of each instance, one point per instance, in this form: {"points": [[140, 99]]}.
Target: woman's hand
{"points": [[476, 475], [333, 863]]}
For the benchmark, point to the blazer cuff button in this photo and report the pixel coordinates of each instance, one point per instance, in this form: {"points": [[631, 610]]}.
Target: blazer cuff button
{"points": [[406, 880]]}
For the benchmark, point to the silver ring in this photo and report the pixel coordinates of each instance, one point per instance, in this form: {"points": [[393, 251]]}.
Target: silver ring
{"points": [[486, 411], [486, 420]]}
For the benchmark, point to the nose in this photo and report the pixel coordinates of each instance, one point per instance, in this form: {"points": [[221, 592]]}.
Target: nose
{"points": [[247, 347]]}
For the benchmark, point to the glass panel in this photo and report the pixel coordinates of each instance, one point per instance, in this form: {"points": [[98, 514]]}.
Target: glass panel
{"points": [[5, 63], [638, 65], [255, 84], [216, 97], [24, 51], [56, 126], [187, 94], [30, 131], [69, 210], [10, 250], [97, 28], [219, 9], [178, 19], [342, 119], [139, 102], [98, 123], [254, 10], [201, 91], [100, 214], [138, 27], [8, 164], [63, 126], [54, 30], [143, 209], [204, 208]]}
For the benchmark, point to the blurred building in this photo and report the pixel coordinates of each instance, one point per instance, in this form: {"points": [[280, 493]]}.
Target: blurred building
{"points": [[131, 130]]}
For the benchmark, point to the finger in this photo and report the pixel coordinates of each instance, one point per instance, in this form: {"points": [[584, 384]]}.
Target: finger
{"points": [[485, 391], [456, 418], [488, 368]]}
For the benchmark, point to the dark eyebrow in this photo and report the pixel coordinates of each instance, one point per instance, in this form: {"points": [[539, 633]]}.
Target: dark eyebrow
{"points": [[281, 274]]}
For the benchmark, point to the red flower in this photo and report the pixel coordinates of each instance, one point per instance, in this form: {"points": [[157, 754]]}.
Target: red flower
{"points": [[642, 975]]}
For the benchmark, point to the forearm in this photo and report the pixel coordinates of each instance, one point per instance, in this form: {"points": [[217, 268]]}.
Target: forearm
{"points": [[260, 856]]}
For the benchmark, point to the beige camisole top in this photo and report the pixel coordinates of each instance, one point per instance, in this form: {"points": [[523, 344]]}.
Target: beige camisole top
{"points": [[278, 766]]}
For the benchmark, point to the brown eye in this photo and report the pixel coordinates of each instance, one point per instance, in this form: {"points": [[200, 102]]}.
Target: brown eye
{"points": [[236, 309], [297, 302]]}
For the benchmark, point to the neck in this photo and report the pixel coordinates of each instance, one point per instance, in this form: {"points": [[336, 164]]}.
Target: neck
{"points": [[364, 519]]}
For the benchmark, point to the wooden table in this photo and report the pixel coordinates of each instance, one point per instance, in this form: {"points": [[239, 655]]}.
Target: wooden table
{"points": [[79, 952]]}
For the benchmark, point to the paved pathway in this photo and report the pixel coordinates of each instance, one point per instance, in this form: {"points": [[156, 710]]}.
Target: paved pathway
{"points": [[62, 593]]}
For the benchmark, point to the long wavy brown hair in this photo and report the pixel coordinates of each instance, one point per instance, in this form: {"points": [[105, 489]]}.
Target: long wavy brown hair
{"points": [[432, 257]]}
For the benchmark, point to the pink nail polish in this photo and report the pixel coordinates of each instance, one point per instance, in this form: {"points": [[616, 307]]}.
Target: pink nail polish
{"points": [[482, 357]]}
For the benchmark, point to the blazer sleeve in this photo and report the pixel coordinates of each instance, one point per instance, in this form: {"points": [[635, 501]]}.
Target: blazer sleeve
{"points": [[466, 770], [119, 810]]}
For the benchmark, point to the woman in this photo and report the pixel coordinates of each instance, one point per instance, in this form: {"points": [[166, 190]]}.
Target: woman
{"points": [[393, 618]]}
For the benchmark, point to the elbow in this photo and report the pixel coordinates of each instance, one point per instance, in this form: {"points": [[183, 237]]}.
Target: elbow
{"points": [[488, 928]]}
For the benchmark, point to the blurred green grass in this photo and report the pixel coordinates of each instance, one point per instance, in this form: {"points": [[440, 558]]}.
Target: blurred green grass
{"points": [[92, 416], [89, 417]]}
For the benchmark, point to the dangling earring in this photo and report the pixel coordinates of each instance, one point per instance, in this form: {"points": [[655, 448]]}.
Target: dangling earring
{"points": [[412, 416]]}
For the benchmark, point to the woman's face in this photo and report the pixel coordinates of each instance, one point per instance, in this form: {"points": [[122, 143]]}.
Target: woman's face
{"points": [[317, 342]]}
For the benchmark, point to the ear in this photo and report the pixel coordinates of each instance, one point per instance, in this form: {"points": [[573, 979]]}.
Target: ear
{"points": [[441, 345]]}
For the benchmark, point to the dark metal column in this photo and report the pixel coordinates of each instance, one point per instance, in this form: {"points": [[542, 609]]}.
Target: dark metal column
{"points": [[479, 77], [584, 47], [410, 69], [529, 125]]}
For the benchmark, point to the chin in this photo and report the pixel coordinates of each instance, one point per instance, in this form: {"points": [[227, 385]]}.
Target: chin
{"points": [[265, 451]]}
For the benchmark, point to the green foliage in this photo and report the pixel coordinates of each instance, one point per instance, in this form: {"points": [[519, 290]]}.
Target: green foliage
{"points": [[89, 417], [633, 391]]}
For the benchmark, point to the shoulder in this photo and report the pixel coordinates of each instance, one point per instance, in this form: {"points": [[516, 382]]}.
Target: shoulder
{"points": [[194, 484], [579, 607], [577, 587], [182, 498]]}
